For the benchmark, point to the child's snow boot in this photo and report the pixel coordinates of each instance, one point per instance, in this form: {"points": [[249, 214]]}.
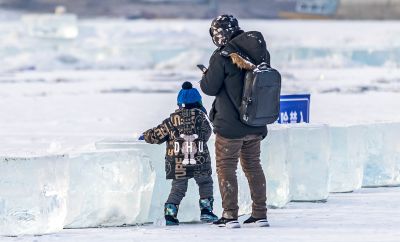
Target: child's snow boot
{"points": [[206, 207], [171, 213]]}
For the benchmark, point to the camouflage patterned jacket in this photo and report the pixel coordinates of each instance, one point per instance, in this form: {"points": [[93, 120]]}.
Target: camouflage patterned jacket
{"points": [[186, 132]]}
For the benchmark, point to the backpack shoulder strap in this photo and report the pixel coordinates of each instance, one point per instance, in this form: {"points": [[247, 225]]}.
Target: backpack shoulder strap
{"points": [[231, 99]]}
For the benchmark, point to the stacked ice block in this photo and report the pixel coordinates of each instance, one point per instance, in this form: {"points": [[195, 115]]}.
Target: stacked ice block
{"points": [[381, 167], [109, 188], [123, 182], [273, 159], [189, 208], [41, 195], [308, 162], [33, 194], [348, 152]]}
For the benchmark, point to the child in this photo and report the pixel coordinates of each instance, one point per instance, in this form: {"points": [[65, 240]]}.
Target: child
{"points": [[186, 132]]}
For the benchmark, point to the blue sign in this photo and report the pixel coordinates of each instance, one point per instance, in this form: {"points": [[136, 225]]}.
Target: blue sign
{"points": [[295, 109]]}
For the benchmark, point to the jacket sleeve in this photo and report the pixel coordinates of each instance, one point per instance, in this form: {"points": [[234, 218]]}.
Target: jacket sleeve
{"points": [[157, 135], [213, 79]]}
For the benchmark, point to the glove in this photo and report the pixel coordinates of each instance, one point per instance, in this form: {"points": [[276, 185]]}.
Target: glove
{"points": [[141, 137]]}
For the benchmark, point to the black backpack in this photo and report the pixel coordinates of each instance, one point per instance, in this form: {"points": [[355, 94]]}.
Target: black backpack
{"points": [[260, 103]]}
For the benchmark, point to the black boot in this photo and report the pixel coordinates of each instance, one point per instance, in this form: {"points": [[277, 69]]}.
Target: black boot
{"points": [[206, 208], [171, 213]]}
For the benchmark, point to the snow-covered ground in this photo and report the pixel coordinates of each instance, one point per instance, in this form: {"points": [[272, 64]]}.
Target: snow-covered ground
{"points": [[368, 215], [118, 77], [59, 112]]}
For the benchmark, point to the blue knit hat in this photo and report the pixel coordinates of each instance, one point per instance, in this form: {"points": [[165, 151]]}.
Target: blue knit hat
{"points": [[188, 94]]}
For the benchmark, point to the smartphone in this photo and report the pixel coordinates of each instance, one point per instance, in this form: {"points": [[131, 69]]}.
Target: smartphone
{"points": [[202, 68]]}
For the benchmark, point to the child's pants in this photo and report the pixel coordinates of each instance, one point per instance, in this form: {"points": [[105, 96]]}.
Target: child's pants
{"points": [[179, 188]]}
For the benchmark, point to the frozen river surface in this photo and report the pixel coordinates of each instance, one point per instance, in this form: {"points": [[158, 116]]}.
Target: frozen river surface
{"points": [[368, 215]]}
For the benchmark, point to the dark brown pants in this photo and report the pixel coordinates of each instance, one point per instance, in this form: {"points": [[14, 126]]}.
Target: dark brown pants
{"points": [[228, 152]]}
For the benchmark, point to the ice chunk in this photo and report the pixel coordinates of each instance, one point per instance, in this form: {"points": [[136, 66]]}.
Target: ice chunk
{"points": [[394, 137], [189, 208], [381, 167], [155, 154], [33, 194], [348, 152], [109, 188], [392, 150], [51, 25], [273, 158], [308, 162]]}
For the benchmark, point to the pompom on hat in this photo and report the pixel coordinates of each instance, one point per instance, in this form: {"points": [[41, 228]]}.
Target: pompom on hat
{"points": [[188, 94]]}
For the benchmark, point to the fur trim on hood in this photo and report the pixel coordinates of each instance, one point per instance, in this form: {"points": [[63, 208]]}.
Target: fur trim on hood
{"points": [[241, 62]]}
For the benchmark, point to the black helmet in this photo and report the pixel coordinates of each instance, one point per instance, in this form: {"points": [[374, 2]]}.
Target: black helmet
{"points": [[222, 28]]}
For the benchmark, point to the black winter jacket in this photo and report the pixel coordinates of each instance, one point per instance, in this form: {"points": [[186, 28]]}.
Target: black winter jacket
{"points": [[225, 78]]}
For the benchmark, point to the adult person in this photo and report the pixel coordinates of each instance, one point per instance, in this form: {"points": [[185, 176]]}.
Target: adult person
{"points": [[224, 79]]}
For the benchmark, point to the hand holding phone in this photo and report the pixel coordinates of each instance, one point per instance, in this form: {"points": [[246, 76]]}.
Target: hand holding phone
{"points": [[202, 68]]}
